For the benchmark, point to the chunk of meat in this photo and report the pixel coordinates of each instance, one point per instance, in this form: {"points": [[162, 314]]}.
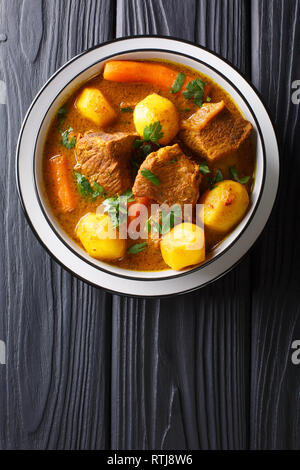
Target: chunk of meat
{"points": [[178, 177], [105, 158], [213, 131]]}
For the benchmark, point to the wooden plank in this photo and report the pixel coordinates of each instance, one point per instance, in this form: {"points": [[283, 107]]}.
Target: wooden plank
{"points": [[180, 367], [275, 381], [58, 329], [3, 140]]}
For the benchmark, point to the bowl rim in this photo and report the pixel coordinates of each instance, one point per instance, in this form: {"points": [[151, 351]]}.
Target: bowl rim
{"points": [[119, 53], [213, 258]]}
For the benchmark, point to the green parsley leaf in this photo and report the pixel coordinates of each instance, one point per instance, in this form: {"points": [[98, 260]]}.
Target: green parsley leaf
{"points": [[195, 90], [178, 82], [146, 149], [137, 248], [129, 196], [148, 225], [167, 220], [142, 149], [61, 116], [116, 207], [203, 168], [153, 224], [208, 99], [111, 207], [69, 144], [184, 110], [150, 176], [98, 190], [216, 179], [126, 110], [174, 160], [235, 176], [134, 167], [85, 189], [62, 111], [137, 143], [219, 176], [153, 132], [83, 186]]}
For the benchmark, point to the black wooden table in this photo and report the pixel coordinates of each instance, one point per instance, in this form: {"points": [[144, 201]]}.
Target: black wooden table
{"points": [[90, 370]]}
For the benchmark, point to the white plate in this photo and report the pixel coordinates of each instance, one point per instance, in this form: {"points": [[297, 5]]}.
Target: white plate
{"points": [[71, 256]]}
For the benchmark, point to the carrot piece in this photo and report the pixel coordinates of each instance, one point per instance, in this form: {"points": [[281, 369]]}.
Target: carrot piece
{"points": [[140, 200], [136, 207], [61, 182], [130, 71], [126, 71]]}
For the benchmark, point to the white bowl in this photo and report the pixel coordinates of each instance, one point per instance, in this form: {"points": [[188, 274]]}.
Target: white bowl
{"points": [[70, 255]]}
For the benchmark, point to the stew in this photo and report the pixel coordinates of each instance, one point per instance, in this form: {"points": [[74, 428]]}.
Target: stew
{"points": [[149, 165]]}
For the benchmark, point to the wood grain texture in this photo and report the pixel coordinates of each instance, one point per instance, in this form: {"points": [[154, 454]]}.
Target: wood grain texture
{"points": [[3, 282], [209, 370], [56, 382], [275, 381], [182, 365], [31, 28]]}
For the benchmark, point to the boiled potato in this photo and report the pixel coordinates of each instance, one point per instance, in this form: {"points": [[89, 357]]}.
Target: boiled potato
{"points": [[224, 205], [157, 108], [99, 238], [93, 105], [183, 246]]}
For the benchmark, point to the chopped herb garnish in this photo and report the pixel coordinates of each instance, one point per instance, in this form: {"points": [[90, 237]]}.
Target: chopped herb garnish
{"points": [[148, 225], [137, 248], [195, 90], [129, 196], [98, 190], [153, 132], [178, 82], [111, 207], [150, 176], [215, 179], [126, 110], [173, 160], [146, 149], [134, 167], [219, 176], [184, 110], [208, 99], [137, 143], [235, 176], [61, 116], [83, 186], [142, 150], [116, 207], [203, 168], [69, 144], [85, 189], [62, 111], [167, 220], [153, 224]]}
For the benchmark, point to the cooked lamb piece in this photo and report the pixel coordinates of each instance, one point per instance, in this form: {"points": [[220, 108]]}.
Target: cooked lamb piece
{"points": [[105, 158], [177, 178], [213, 131]]}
